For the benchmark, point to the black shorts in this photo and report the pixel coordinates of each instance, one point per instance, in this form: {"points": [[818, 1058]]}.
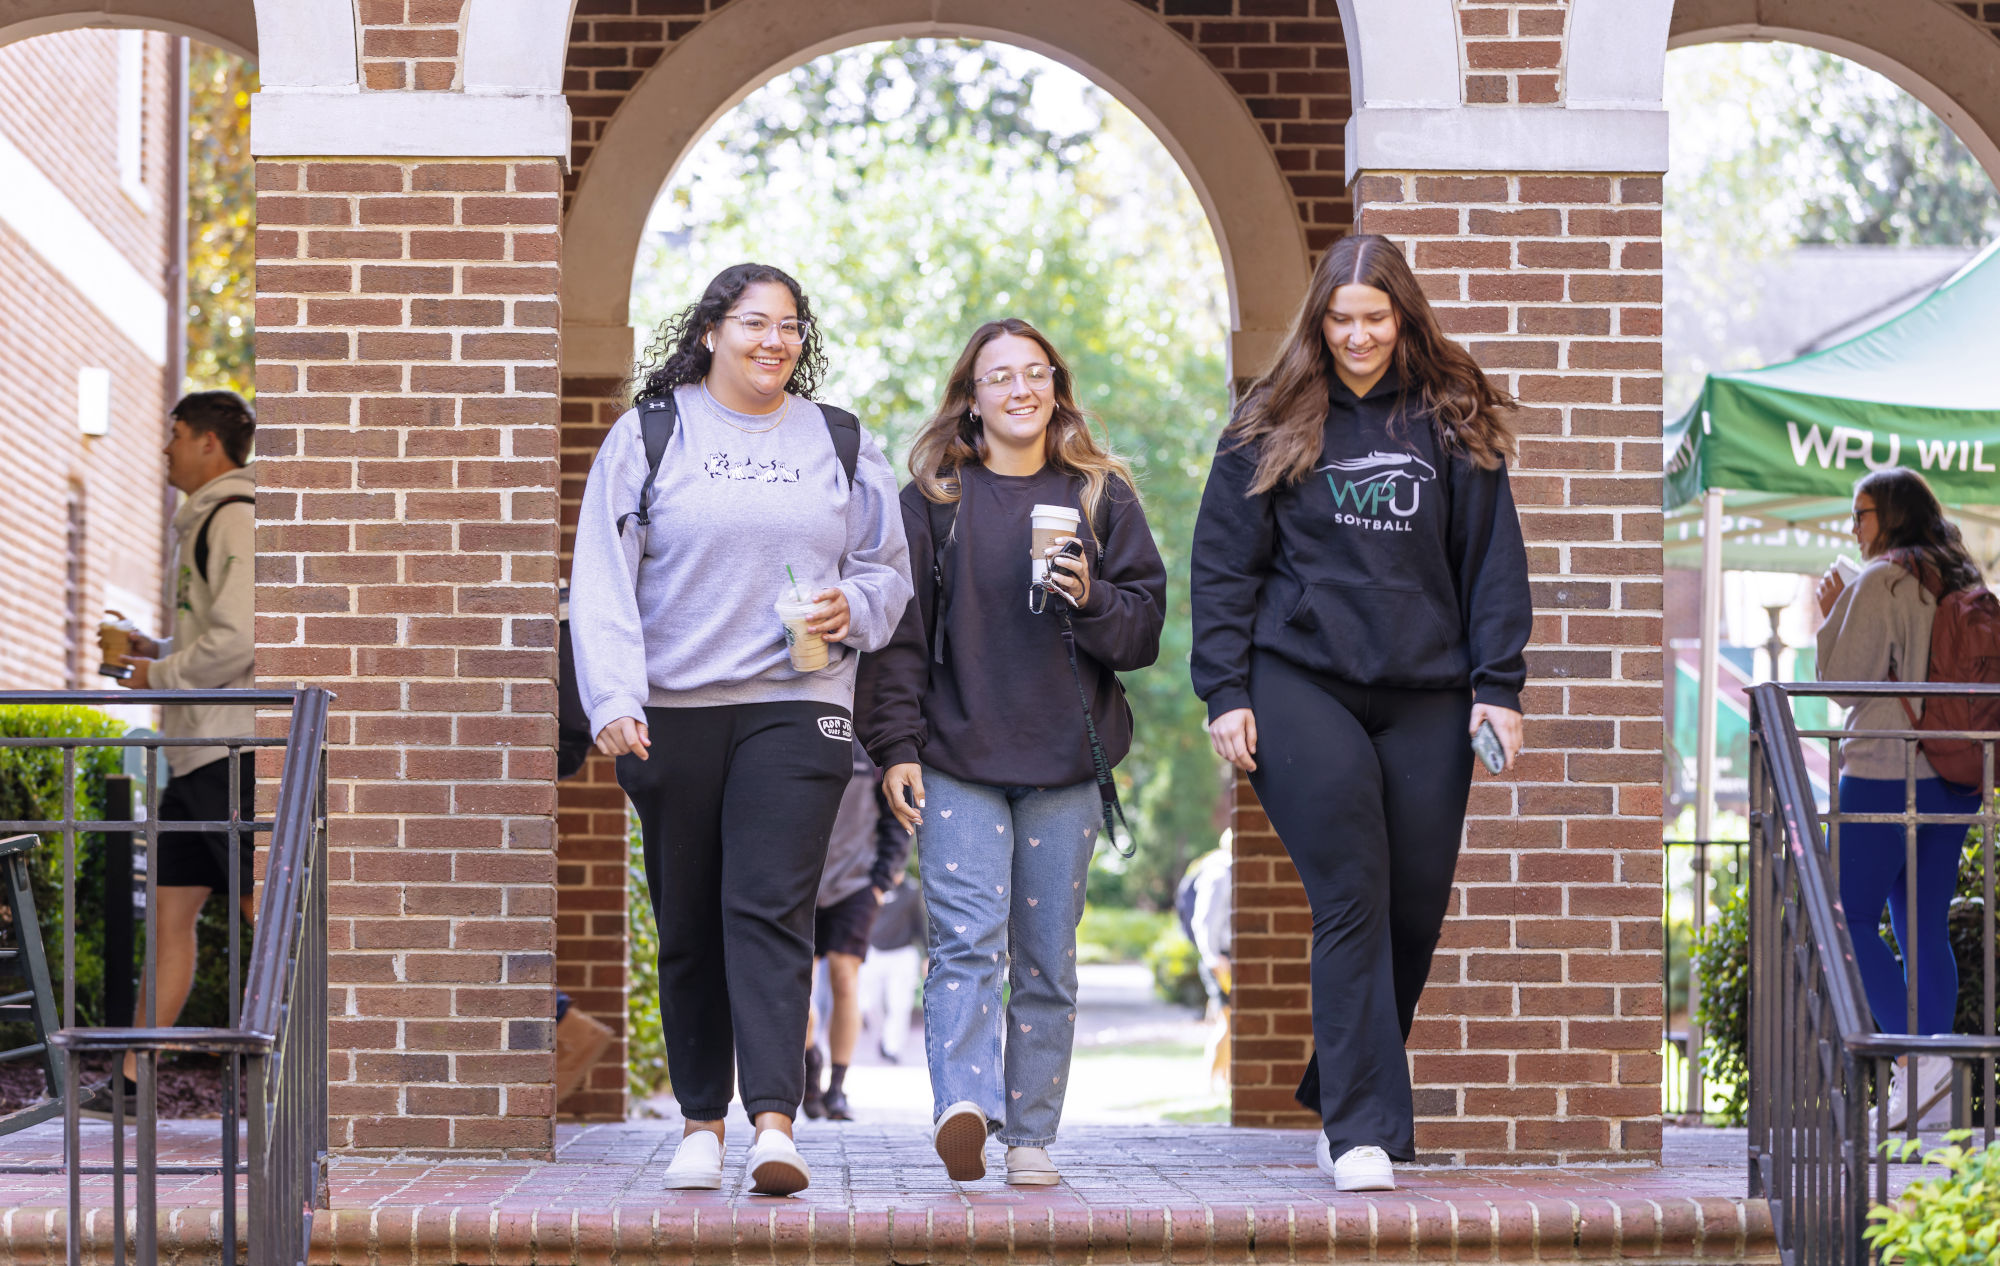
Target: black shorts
{"points": [[200, 859], [843, 927]]}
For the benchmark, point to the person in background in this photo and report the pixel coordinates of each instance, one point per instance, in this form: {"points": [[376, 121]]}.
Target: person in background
{"points": [[889, 973], [864, 860], [214, 643], [1361, 608], [1879, 629], [1203, 900]]}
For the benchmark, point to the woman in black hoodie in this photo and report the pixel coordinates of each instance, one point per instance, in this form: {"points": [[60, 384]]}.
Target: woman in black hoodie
{"points": [[976, 710], [1360, 596]]}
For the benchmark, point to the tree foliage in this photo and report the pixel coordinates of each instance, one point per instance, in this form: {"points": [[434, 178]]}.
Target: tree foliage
{"points": [[222, 223], [1776, 146], [917, 189]]}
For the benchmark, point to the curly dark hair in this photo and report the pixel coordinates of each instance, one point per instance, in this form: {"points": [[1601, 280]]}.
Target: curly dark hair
{"points": [[676, 357]]}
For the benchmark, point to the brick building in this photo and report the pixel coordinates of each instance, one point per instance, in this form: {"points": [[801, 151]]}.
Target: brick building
{"points": [[451, 200], [88, 218]]}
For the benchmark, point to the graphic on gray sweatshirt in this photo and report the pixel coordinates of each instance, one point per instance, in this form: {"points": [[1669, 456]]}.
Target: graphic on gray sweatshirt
{"points": [[679, 614]]}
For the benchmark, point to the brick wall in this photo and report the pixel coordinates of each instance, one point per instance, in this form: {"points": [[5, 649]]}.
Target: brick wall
{"points": [[1512, 50], [406, 560], [412, 44], [1539, 1034], [58, 105], [591, 863]]}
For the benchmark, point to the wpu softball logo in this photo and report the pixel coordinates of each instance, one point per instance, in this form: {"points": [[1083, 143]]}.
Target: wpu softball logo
{"points": [[837, 728], [1365, 488]]}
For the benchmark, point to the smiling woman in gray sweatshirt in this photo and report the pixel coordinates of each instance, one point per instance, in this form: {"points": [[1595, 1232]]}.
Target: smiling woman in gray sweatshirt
{"points": [[734, 759]]}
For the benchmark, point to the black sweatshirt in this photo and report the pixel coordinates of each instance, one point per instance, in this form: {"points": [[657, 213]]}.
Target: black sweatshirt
{"points": [[1391, 564], [1002, 708]]}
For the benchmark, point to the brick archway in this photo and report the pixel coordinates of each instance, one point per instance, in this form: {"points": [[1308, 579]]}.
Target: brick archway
{"points": [[229, 24], [1932, 50], [1164, 80]]}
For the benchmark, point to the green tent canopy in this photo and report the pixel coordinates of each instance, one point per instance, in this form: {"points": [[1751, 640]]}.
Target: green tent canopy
{"points": [[1921, 390]]}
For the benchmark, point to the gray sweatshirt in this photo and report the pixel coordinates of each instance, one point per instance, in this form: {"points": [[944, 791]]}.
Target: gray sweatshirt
{"points": [[1880, 622], [679, 615]]}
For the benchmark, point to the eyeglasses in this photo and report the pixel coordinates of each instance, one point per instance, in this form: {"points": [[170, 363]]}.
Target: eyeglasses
{"points": [[1859, 513], [1037, 377], [757, 325]]}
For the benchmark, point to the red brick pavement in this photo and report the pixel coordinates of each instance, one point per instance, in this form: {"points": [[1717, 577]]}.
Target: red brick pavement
{"points": [[1154, 1194]]}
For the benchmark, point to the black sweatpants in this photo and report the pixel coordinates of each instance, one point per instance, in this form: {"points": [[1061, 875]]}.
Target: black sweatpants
{"points": [[1366, 787], [736, 804]]}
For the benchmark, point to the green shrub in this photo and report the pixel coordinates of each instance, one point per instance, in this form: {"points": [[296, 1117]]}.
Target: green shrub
{"points": [[1722, 960], [1176, 968], [1947, 1221], [645, 1039], [1111, 935], [31, 790]]}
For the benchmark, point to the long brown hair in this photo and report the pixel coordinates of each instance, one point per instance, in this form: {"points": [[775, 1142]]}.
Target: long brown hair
{"points": [[1284, 412], [954, 437], [1913, 532]]}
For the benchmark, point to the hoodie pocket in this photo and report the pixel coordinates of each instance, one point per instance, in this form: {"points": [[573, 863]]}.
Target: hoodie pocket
{"points": [[1375, 634]]}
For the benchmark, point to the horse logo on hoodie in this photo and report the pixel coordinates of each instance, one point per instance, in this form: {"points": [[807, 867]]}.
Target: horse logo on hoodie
{"points": [[1366, 489]]}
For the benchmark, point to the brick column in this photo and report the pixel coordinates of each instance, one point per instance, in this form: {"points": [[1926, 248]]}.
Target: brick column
{"points": [[591, 862], [1538, 1038], [406, 376]]}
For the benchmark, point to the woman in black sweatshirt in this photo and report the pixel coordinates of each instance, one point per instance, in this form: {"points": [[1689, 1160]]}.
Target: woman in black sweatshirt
{"points": [[976, 712], [1360, 595]]}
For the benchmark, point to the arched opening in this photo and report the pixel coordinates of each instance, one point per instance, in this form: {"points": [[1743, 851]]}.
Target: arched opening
{"points": [[1815, 196], [917, 189]]}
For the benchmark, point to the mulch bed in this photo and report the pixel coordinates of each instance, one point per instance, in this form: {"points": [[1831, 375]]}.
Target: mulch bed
{"points": [[190, 1086]]}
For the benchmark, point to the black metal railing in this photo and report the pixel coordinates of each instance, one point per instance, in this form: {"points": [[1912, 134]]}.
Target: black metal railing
{"points": [[1820, 1071], [274, 1044]]}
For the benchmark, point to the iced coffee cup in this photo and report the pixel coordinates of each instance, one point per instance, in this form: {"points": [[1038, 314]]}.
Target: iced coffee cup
{"points": [[808, 649], [114, 642], [1049, 524]]}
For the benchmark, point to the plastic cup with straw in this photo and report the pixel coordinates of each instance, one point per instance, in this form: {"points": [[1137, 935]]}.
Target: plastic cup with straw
{"points": [[807, 649]]}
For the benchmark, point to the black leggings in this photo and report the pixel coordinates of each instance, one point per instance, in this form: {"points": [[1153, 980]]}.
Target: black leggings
{"points": [[1366, 786], [736, 804]]}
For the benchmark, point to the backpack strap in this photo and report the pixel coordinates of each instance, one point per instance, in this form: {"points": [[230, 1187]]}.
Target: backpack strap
{"points": [[944, 533], [658, 417], [201, 536], [844, 429]]}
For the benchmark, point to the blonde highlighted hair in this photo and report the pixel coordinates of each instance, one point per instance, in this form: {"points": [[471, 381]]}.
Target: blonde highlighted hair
{"points": [[954, 437]]}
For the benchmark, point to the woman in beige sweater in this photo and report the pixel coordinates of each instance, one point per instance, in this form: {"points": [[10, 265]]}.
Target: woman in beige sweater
{"points": [[1879, 629]]}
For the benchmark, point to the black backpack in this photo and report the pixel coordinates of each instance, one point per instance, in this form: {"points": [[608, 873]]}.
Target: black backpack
{"points": [[658, 418]]}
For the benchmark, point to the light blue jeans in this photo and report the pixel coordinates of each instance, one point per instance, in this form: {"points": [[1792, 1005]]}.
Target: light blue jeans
{"points": [[1004, 872]]}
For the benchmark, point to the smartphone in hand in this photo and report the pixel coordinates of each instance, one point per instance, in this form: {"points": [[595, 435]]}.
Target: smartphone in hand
{"points": [[1486, 746]]}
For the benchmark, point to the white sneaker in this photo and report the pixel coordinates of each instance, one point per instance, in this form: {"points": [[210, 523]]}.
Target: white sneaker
{"points": [[697, 1164], [960, 1139], [1358, 1169], [1933, 1093], [776, 1168], [1031, 1167]]}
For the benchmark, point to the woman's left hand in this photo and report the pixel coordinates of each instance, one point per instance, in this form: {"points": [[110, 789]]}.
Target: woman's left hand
{"points": [[1506, 727], [1071, 574], [830, 619]]}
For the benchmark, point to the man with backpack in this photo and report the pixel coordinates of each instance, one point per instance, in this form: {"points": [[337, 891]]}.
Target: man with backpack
{"points": [[213, 647]]}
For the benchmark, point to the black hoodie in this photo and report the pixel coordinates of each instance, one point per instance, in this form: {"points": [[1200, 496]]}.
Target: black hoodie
{"points": [[996, 704], [1392, 564]]}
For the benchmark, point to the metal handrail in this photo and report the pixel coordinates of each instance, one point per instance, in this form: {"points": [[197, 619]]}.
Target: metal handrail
{"points": [[278, 1035], [1815, 1054]]}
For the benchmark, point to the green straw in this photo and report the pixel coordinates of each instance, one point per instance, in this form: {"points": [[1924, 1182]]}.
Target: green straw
{"points": [[795, 584]]}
